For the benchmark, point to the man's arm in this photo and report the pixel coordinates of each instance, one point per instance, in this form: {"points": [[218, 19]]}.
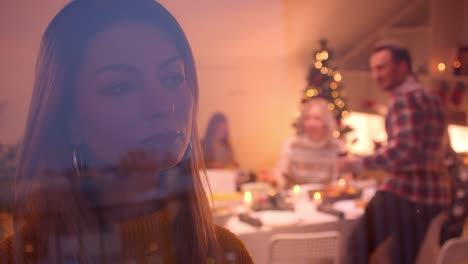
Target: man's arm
{"points": [[403, 150]]}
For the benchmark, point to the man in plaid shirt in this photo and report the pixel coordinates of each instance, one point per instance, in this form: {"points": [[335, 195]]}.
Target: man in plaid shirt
{"points": [[417, 188]]}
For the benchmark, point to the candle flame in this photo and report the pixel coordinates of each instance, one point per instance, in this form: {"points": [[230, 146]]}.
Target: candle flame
{"points": [[342, 182], [248, 196], [317, 196], [297, 189]]}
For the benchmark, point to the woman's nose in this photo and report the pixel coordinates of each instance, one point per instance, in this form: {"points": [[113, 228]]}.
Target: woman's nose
{"points": [[158, 103]]}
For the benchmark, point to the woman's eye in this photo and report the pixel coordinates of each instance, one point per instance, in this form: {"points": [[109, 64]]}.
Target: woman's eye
{"points": [[119, 88], [173, 81]]}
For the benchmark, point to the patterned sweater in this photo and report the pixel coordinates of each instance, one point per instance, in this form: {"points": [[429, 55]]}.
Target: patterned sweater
{"points": [[415, 125], [303, 161], [140, 241]]}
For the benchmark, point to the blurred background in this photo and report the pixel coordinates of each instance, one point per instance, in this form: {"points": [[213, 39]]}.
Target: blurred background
{"points": [[253, 58]]}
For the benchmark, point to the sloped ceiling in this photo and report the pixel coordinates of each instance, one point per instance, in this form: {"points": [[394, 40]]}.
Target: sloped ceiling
{"points": [[342, 22]]}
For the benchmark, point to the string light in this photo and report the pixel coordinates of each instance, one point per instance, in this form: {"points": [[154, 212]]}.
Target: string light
{"points": [[311, 92], [456, 64], [318, 56], [345, 113], [337, 76], [324, 70], [324, 55], [335, 94], [333, 85], [318, 64], [331, 107]]}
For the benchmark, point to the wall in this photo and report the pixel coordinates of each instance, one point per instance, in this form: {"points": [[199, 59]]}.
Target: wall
{"points": [[252, 59], [21, 26], [242, 60], [240, 52]]}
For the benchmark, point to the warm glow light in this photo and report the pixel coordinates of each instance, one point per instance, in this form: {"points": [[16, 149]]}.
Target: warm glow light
{"points": [[345, 113], [324, 70], [317, 196], [318, 56], [333, 85], [441, 67], [318, 64], [324, 55], [367, 127], [248, 197], [336, 134], [335, 94], [339, 103], [311, 92], [331, 106], [337, 77], [296, 189], [341, 182], [458, 135], [456, 64]]}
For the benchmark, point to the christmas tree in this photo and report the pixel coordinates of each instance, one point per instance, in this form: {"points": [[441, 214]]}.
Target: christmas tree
{"points": [[324, 81]]}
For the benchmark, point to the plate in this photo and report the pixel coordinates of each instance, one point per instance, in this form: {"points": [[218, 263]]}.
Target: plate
{"points": [[349, 208], [312, 187], [278, 218]]}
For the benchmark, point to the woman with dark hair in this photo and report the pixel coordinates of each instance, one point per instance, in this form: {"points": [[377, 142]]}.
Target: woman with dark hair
{"points": [[217, 144], [108, 168]]}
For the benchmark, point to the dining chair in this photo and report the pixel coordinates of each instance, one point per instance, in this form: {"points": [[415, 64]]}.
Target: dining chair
{"points": [[454, 251], [317, 247]]}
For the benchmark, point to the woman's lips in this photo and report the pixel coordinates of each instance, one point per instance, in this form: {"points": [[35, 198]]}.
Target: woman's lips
{"points": [[161, 138]]}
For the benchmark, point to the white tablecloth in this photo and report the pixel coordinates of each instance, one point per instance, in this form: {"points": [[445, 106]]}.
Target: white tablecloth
{"points": [[305, 218]]}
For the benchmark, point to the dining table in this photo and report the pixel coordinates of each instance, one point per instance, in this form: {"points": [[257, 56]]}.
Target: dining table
{"points": [[304, 217]]}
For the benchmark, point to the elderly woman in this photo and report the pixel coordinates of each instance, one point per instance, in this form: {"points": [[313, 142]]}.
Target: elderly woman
{"points": [[310, 156]]}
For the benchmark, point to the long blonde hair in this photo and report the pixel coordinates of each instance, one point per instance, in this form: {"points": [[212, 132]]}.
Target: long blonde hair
{"points": [[47, 139]]}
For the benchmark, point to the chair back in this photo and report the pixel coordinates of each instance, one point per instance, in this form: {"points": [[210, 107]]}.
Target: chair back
{"points": [[318, 247]]}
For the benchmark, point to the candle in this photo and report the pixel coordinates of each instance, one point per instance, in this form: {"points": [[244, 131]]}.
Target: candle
{"points": [[296, 189], [317, 198], [248, 197], [341, 182]]}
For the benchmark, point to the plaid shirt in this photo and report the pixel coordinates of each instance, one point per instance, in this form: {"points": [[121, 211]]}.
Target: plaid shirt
{"points": [[415, 125]]}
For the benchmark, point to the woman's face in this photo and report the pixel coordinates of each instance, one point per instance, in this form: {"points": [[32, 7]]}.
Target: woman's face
{"points": [[221, 131], [314, 126], [132, 99]]}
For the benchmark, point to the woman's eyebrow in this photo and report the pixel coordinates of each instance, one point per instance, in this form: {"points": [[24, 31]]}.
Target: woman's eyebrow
{"points": [[116, 67], [169, 61]]}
